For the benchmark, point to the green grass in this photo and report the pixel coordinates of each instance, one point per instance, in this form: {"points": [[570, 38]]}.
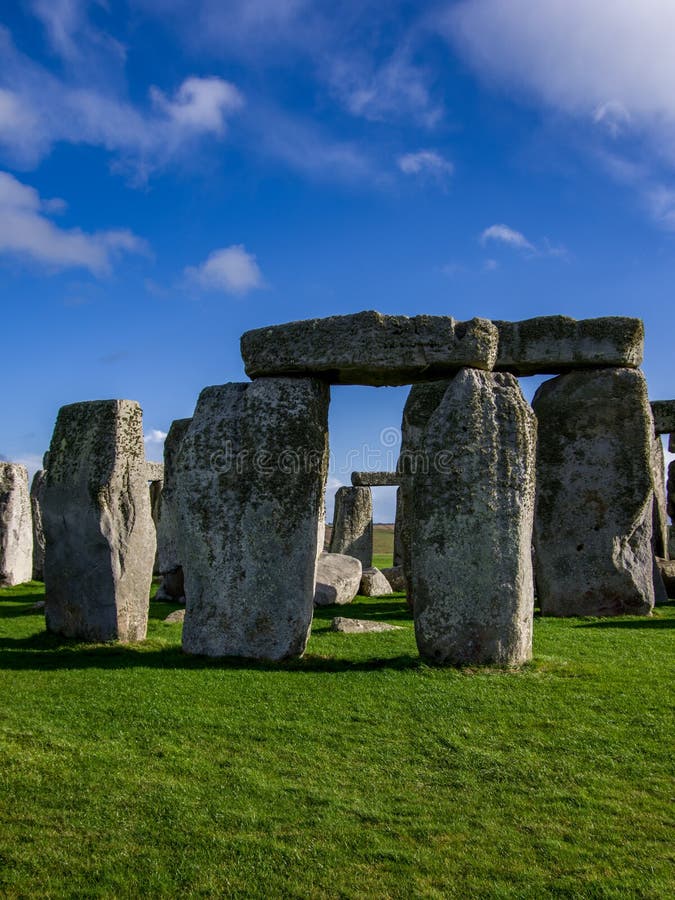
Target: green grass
{"points": [[355, 772]]}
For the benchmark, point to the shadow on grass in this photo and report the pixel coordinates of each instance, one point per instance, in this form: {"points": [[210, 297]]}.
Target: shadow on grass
{"points": [[618, 622], [385, 608]]}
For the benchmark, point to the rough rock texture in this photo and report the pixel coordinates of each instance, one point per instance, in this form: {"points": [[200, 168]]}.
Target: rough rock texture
{"points": [[155, 511], [660, 591], [370, 348], [470, 518], [671, 541], [659, 514], [36, 492], [667, 570], [178, 615], [352, 532], [375, 479], [337, 579], [250, 477], [399, 529], [671, 442], [16, 525], [396, 579], [168, 559], [154, 471], [361, 626], [100, 538], [593, 523], [374, 583], [664, 416], [556, 344], [670, 494]]}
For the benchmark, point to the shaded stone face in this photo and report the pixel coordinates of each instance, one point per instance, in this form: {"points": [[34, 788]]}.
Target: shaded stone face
{"points": [[16, 528], [100, 538], [337, 579], [664, 417], [375, 479], [400, 532], [593, 524], [556, 344], [36, 492], [352, 533], [660, 515], [370, 348], [469, 508], [374, 583], [167, 549], [670, 492], [250, 478]]}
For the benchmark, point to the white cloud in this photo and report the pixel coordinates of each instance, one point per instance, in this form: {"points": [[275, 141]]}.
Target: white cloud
{"points": [[201, 104], [155, 436], [425, 162], [27, 233], [229, 269], [502, 234]]}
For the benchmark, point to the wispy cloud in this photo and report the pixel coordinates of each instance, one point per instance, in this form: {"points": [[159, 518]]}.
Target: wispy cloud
{"points": [[154, 436], [231, 270], [425, 162], [27, 233], [503, 234]]}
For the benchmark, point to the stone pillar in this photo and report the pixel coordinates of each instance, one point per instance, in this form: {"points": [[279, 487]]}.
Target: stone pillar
{"points": [[36, 493], [100, 539], [593, 523], [250, 477], [670, 490], [16, 528], [352, 533], [399, 529], [156, 488], [468, 461], [168, 560], [660, 515]]}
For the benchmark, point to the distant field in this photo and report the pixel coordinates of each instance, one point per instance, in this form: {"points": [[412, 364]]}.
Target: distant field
{"points": [[383, 544]]}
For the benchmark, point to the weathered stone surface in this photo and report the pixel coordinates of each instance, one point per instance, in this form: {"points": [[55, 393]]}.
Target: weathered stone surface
{"points": [[36, 492], [396, 579], [593, 523], [664, 416], [361, 626], [556, 344], [337, 579], [470, 518], [167, 549], [670, 494], [352, 533], [671, 541], [399, 529], [375, 479], [671, 443], [154, 471], [16, 526], [172, 587], [250, 478], [374, 583], [100, 538], [370, 348], [659, 514], [155, 488], [667, 570], [178, 615], [660, 592]]}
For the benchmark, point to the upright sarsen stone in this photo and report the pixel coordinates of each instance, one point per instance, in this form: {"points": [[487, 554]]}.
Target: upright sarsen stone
{"points": [[250, 479], [100, 538], [36, 492], [660, 514], [593, 523], [470, 510], [168, 560], [352, 533], [16, 529]]}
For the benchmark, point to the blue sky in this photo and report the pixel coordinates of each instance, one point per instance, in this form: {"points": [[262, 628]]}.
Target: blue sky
{"points": [[173, 173]]}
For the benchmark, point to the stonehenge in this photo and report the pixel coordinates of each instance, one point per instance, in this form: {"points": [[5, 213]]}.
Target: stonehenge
{"points": [[99, 535], [482, 476], [16, 527], [36, 492]]}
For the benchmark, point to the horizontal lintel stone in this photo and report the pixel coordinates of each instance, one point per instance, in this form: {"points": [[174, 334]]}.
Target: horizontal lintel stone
{"points": [[370, 348], [552, 345], [375, 479], [664, 417], [155, 471]]}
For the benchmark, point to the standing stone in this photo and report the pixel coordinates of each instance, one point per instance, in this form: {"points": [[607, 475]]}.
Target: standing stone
{"points": [[670, 491], [352, 533], [470, 517], [36, 493], [593, 523], [155, 511], [660, 515], [664, 416], [250, 478], [399, 529], [168, 559], [100, 539], [16, 527]]}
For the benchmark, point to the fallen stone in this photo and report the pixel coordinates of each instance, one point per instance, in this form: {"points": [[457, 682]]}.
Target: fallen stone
{"points": [[593, 523], [36, 492], [154, 470], [338, 579], [361, 626], [370, 348], [659, 508], [100, 539], [667, 570], [172, 587], [664, 416], [178, 615], [396, 578], [470, 517], [375, 479], [168, 561], [374, 583], [16, 525], [352, 533], [250, 479], [556, 344]]}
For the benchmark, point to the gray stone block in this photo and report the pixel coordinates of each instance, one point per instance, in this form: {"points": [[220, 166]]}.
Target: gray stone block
{"points": [[16, 525], [664, 416], [36, 492], [375, 479], [352, 532]]}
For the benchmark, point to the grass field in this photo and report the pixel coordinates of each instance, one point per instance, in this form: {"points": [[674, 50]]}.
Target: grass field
{"points": [[355, 772]]}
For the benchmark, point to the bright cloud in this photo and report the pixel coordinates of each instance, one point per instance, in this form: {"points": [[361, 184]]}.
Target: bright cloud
{"points": [[155, 436], [230, 269], [425, 162], [502, 234], [201, 104], [27, 233]]}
